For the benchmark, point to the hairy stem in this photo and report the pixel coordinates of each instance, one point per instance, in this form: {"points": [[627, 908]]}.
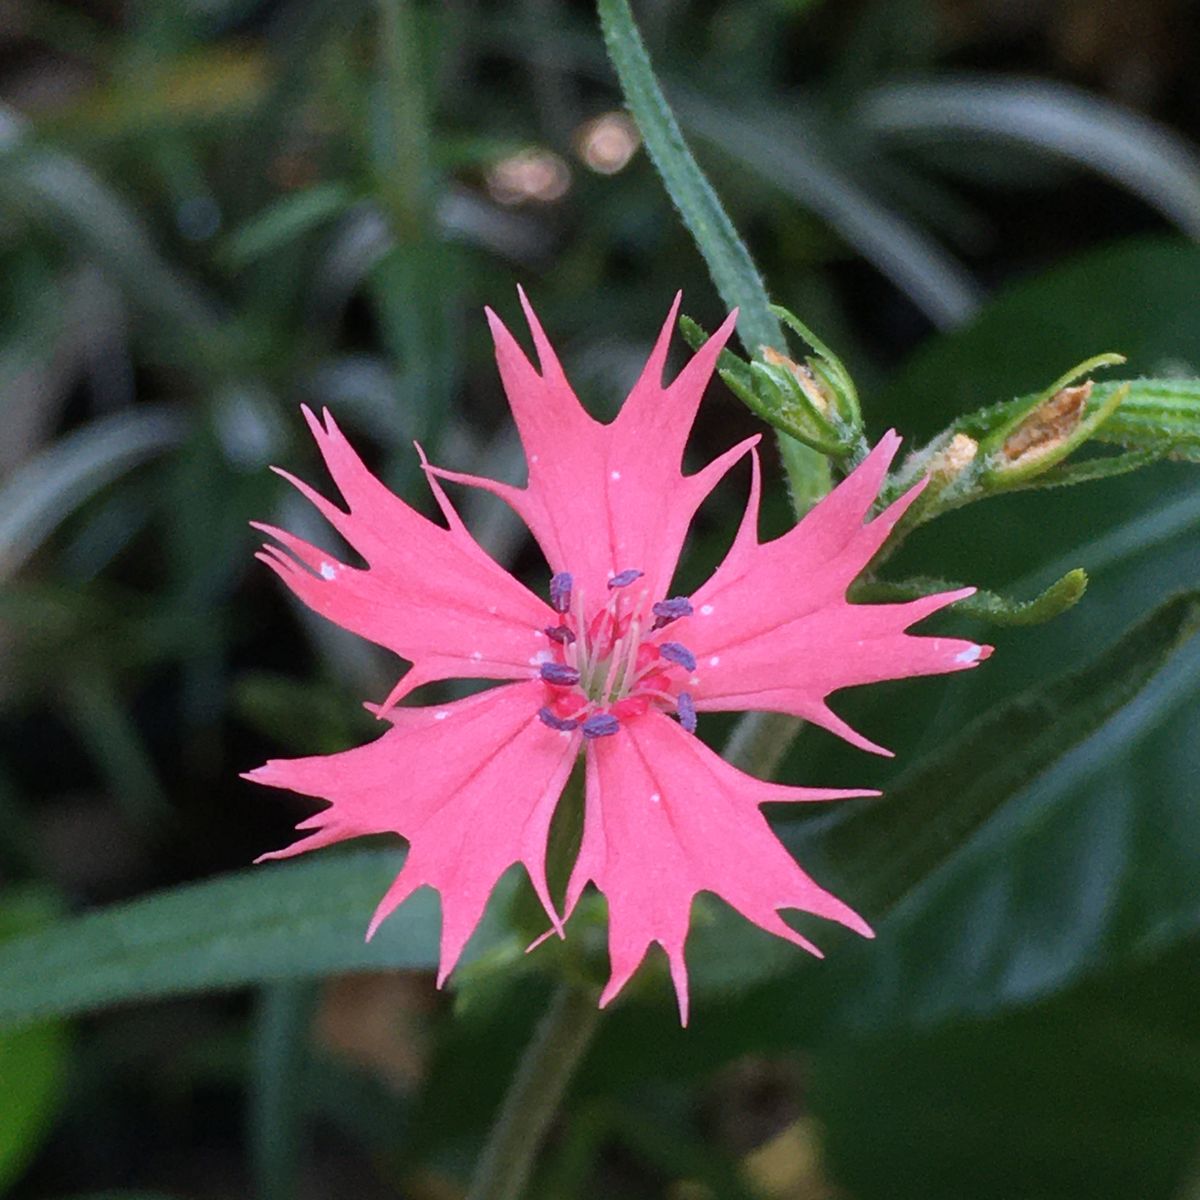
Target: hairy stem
{"points": [[515, 1141]]}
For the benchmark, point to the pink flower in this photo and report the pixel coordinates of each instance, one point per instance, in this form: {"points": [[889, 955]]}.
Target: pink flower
{"points": [[613, 665]]}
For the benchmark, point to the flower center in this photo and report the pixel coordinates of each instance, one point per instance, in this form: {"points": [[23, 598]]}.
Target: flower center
{"points": [[606, 664]]}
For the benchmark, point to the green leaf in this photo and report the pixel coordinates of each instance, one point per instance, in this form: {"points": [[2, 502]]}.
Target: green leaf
{"points": [[1094, 1094], [1060, 596], [894, 844], [47, 489], [296, 921], [1161, 415], [1095, 860], [1092, 469], [794, 154], [1150, 159], [33, 1061], [51, 189], [729, 262], [287, 219]]}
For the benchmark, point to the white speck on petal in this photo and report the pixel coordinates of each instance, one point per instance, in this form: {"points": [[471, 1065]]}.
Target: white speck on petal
{"points": [[969, 655], [706, 610], [654, 797], [615, 476], [715, 661], [476, 654], [440, 715], [542, 656], [328, 571], [694, 679], [533, 458]]}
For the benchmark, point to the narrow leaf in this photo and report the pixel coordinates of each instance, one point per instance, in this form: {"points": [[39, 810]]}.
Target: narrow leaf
{"points": [[1134, 151], [284, 221], [1156, 414], [729, 262], [298, 921], [988, 606], [1068, 474], [48, 488], [941, 802]]}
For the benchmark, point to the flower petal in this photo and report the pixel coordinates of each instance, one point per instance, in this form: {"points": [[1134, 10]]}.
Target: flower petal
{"points": [[666, 818], [603, 499], [773, 630], [471, 785], [430, 593]]}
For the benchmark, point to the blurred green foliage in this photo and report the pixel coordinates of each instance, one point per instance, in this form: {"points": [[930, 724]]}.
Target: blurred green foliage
{"points": [[210, 213]]}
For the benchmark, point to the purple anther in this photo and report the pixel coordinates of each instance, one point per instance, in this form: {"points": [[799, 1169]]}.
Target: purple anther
{"points": [[686, 707], [676, 652], [562, 724], [560, 591], [666, 611], [625, 578], [600, 725], [560, 674], [560, 634]]}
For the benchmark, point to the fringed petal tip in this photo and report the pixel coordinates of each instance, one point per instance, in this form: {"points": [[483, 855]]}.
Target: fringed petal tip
{"points": [[264, 774], [973, 655], [556, 930], [887, 446]]}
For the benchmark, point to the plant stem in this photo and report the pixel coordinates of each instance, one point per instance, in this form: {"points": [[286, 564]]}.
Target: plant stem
{"points": [[277, 1096], [563, 1034], [760, 740], [403, 155]]}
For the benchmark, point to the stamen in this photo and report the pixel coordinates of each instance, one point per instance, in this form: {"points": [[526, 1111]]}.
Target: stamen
{"points": [[600, 725], [560, 591], [583, 650], [676, 652], [686, 708], [560, 634], [629, 667], [563, 725], [666, 611], [559, 674], [625, 578]]}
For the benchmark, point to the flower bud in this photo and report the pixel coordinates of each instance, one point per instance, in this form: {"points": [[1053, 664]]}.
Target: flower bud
{"points": [[1048, 426]]}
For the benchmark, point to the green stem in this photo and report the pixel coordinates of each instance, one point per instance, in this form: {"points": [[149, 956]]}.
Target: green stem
{"points": [[729, 262], [276, 1095], [559, 1042], [403, 158], [760, 740]]}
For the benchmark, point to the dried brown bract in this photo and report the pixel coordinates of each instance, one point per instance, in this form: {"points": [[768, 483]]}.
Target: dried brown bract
{"points": [[1049, 425], [803, 376]]}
